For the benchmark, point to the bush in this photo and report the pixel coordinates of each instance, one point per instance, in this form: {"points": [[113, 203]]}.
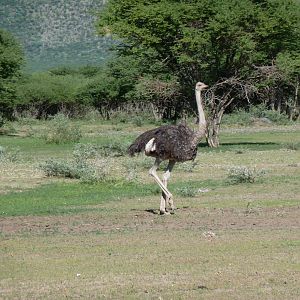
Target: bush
{"points": [[113, 149], [48, 93], [261, 111], [61, 130], [240, 117], [57, 168], [9, 155], [137, 121], [84, 151], [87, 173], [242, 174], [84, 165], [276, 117]]}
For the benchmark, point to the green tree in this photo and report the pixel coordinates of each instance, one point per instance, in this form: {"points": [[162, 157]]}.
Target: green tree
{"points": [[205, 40], [113, 86], [212, 41], [11, 60]]}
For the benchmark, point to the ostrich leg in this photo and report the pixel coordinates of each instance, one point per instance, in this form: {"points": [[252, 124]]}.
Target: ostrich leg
{"points": [[164, 189], [166, 177]]}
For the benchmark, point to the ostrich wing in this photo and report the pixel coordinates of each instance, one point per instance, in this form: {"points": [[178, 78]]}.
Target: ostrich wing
{"points": [[171, 142]]}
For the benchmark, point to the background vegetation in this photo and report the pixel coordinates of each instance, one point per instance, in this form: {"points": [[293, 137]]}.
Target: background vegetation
{"points": [[247, 51], [55, 32]]}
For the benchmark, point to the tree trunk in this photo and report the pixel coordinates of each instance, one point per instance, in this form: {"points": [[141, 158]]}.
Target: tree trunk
{"points": [[294, 115], [157, 112], [213, 129]]}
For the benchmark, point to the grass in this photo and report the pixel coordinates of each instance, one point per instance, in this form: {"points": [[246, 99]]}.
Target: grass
{"points": [[64, 239], [60, 198]]}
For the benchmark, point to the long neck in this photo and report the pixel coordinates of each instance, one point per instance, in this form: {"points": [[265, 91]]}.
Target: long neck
{"points": [[201, 116]]}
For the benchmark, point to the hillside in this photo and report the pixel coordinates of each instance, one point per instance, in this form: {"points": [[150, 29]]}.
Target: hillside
{"points": [[55, 32]]}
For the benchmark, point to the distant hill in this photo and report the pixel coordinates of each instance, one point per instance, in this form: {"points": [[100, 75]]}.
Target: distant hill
{"points": [[55, 32]]}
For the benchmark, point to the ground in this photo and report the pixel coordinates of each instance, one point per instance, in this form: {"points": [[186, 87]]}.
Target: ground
{"points": [[64, 239]]}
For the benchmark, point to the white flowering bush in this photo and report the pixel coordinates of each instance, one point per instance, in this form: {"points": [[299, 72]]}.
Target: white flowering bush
{"points": [[243, 174]]}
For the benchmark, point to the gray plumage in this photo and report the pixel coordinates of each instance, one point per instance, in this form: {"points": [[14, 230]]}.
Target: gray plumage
{"points": [[172, 142]]}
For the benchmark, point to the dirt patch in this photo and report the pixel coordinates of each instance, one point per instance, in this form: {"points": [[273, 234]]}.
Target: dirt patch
{"points": [[142, 220]]}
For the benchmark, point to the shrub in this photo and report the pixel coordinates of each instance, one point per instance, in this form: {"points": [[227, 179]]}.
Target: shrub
{"points": [[131, 167], [84, 165], [11, 61], [242, 174], [261, 111], [74, 169], [189, 166], [57, 168], [276, 117], [48, 93], [84, 151], [9, 155], [240, 117], [61, 130], [113, 149]]}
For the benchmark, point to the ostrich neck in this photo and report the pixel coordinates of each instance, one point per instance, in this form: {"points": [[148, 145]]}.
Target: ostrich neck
{"points": [[202, 121]]}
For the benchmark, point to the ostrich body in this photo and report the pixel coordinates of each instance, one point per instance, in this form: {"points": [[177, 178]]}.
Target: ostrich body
{"points": [[176, 143]]}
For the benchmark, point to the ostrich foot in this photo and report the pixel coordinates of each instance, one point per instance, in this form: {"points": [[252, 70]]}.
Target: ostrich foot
{"points": [[164, 213]]}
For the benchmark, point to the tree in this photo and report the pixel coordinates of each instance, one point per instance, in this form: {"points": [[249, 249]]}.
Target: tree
{"points": [[11, 60], [289, 65], [205, 40], [163, 95], [113, 86]]}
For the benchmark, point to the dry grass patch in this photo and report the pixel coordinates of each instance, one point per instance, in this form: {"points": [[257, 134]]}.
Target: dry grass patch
{"points": [[164, 262], [19, 177]]}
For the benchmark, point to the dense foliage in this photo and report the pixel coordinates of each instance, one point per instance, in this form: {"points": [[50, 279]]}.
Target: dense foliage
{"points": [[11, 59], [55, 32], [247, 50]]}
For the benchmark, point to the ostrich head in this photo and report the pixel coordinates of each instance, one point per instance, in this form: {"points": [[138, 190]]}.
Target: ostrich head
{"points": [[200, 86]]}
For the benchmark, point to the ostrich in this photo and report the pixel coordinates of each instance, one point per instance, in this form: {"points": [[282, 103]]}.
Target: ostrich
{"points": [[176, 143]]}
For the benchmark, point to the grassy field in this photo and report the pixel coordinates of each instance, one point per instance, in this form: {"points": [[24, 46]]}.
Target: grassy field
{"points": [[61, 238]]}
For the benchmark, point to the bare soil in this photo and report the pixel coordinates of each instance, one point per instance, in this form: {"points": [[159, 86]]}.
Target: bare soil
{"points": [[143, 220]]}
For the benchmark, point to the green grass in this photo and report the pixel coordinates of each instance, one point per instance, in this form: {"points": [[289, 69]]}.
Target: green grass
{"points": [[70, 198], [64, 239], [61, 198]]}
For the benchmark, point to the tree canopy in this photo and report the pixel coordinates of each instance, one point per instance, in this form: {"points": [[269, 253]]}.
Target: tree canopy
{"points": [[203, 40]]}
